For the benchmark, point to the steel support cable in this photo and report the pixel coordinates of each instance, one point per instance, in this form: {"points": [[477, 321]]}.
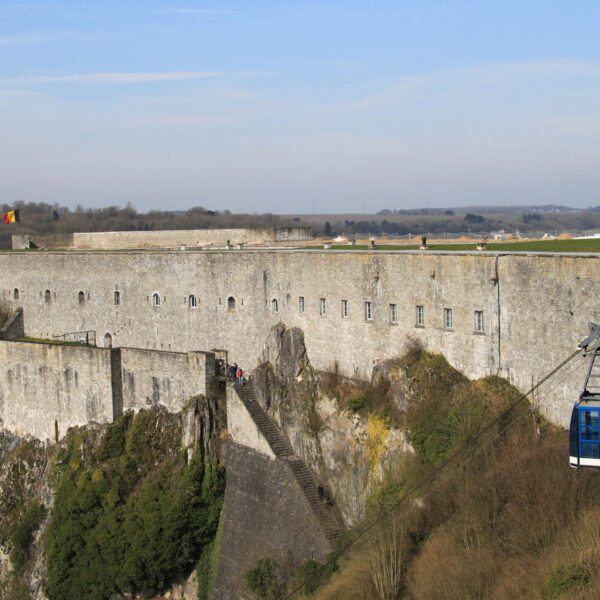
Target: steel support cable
{"points": [[434, 474]]}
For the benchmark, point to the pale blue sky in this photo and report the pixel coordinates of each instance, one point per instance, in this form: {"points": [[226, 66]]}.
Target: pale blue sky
{"points": [[289, 107]]}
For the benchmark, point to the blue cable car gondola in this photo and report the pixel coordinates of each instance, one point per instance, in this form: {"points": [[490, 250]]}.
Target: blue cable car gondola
{"points": [[584, 433]]}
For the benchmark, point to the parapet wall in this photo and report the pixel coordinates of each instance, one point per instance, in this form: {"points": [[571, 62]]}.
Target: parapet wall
{"points": [[150, 378], [47, 388], [113, 240], [354, 307]]}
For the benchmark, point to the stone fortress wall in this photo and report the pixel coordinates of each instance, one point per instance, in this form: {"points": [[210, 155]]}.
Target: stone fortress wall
{"points": [[514, 315], [47, 388], [113, 240]]}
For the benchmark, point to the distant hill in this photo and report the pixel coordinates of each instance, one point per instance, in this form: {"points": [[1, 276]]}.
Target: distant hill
{"points": [[488, 210]]}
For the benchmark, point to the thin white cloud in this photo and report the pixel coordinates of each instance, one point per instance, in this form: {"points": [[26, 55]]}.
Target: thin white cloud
{"points": [[198, 11], [6, 93], [480, 76], [238, 94], [23, 39], [122, 78]]}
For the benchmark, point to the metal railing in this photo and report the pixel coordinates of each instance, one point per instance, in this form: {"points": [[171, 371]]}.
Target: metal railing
{"points": [[82, 337]]}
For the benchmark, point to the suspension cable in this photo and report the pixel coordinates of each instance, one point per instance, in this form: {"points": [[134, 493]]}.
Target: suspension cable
{"points": [[438, 470]]}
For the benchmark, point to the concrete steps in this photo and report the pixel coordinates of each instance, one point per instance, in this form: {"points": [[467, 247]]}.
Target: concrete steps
{"points": [[326, 515]]}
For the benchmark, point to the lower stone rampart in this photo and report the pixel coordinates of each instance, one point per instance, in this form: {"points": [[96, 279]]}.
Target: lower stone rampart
{"points": [[112, 240], [47, 388]]}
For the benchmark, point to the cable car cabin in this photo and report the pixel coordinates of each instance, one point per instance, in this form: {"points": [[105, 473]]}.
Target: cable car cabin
{"points": [[584, 434]]}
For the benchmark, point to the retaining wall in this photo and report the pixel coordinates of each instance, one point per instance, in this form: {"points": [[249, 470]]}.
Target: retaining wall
{"points": [[535, 308], [111, 240], [47, 388]]}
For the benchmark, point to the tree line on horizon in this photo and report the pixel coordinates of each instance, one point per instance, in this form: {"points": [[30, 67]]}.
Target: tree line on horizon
{"points": [[41, 218]]}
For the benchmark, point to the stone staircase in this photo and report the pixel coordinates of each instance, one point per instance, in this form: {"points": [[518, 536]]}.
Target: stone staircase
{"points": [[277, 440], [327, 516]]}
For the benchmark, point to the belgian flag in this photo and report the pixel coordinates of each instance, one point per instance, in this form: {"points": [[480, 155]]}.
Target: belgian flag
{"points": [[11, 216]]}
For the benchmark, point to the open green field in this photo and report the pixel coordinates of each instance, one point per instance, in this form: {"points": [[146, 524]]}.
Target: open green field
{"points": [[588, 245]]}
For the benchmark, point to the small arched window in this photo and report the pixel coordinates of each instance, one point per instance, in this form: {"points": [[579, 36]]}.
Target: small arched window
{"points": [[155, 300], [192, 302], [16, 294], [81, 297], [231, 303], [47, 296], [107, 340], [275, 305]]}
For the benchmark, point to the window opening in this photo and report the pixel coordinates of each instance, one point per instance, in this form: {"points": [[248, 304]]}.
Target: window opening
{"points": [[448, 318], [479, 321], [117, 298], [192, 302], [368, 311], [344, 309], [230, 303], [81, 297], [420, 316], [590, 433], [393, 314], [16, 294], [301, 304], [47, 296], [155, 300], [275, 305], [323, 307]]}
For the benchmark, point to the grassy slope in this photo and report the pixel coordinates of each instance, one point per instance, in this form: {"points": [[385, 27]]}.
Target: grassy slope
{"points": [[514, 521]]}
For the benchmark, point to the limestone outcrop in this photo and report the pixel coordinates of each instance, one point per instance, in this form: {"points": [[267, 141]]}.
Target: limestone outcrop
{"points": [[349, 454]]}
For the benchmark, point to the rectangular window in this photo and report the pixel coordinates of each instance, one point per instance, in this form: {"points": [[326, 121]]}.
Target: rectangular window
{"points": [[420, 322], [479, 321], [447, 318], [301, 304], [368, 311], [344, 309], [323, 307], [117, 298], [589, 432], [393, 314]]}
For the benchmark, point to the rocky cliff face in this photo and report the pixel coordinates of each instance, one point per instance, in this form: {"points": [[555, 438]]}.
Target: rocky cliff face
{"points": [[28, 475], [349, 453], [23, 479]]}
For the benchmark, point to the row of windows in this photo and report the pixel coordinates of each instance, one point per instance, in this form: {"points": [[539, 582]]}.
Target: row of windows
{"points": [[192, 302], [478, 322]]}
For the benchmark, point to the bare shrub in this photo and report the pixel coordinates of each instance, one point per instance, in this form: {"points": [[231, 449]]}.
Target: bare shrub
{"points": [[330, 381], [388, 556], [444, 571], [413, 348], [352, 583]]}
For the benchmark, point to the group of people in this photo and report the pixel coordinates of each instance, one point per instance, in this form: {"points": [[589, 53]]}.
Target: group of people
{"points": [[234, 372], [324, 496]]}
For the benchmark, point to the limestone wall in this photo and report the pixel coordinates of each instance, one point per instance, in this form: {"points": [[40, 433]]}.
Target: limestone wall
{"points": [[150, 378], [111, 240], [265, 514], [535, 307], [47, 388]]}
